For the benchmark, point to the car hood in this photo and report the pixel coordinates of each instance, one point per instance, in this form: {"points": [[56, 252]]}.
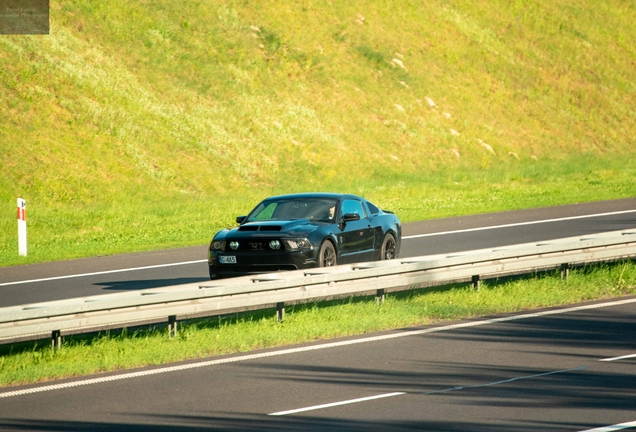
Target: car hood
{"points": [[279, 228]]}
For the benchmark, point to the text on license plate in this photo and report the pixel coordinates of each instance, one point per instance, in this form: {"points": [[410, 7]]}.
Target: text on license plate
{"points": [[227, 259]]}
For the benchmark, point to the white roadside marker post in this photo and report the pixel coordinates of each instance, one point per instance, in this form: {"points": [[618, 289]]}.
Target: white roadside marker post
{"points": [[22, 231]]}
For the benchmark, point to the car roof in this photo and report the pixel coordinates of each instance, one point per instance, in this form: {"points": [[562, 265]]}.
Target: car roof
{"points": [[315, 195]]}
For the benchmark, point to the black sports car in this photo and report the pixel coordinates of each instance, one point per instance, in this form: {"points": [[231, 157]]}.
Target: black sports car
{"points": [[299, 231]]}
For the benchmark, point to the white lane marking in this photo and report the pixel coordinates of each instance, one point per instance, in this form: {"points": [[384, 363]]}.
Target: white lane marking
{"points": [[102, 272], [519, 224], [618, 358], [615, 427], [503, 381], [333, 404], [309, 348], [364, 399]]}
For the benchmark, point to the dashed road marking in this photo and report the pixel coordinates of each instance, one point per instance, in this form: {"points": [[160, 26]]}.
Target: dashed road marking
{"points": [[612, 428], [334, 404], [618, 358]]}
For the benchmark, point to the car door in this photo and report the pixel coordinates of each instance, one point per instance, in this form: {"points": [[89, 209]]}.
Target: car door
{"points": [[357, 237]]}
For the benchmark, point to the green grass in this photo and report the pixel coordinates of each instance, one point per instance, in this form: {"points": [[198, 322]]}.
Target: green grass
{"points": [[147, 125], [30, 362], [58, 232]]}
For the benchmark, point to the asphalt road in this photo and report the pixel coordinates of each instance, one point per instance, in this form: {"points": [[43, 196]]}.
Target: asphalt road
{"points": [[102, 275], [563, 369]]}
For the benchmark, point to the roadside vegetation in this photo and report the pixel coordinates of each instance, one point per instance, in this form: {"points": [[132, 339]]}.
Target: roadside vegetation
{"points": [[147, 125], [31, 362], [143, 125]]}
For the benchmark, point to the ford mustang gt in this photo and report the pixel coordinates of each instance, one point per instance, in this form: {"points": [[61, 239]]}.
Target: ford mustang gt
{"points": [[291, 232]]}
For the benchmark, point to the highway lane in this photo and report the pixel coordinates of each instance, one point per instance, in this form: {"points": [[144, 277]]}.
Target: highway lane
{"points": [[110, 274], [531, 372]]}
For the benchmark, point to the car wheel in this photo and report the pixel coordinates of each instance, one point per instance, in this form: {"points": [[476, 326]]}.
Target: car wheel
{"points": [[212, 272], [389, 248], [327, 255]]}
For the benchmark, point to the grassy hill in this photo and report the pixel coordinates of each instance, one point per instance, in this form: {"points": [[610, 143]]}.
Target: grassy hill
{"points": [[145, 125]]}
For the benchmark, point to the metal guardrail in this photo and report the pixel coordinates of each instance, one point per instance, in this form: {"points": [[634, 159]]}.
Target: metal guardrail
{"points": [[36, 321]]}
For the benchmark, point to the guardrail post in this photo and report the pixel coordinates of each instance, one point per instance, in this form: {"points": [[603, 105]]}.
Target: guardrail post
{"points": [[280, 311], [379, 297], [172, 326], [56, 340], [117, 311], [565, 271], [476, 282]]}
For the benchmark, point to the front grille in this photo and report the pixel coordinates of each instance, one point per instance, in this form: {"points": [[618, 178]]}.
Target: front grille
{"points": [[254, 246]]}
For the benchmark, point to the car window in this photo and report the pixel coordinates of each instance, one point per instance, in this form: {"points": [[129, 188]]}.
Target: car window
{"points": [[263, 212], [353, 206], [303, 208], [373, 209]]}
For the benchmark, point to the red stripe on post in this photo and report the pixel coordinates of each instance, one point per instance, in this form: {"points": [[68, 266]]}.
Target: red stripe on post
{"points": [[21, 214]]}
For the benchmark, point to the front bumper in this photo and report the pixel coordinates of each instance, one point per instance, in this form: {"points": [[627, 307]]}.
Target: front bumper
{"points": [[260, 262]]}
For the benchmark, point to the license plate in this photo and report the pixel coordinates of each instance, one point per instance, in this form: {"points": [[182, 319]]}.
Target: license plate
{"points": [[227, 259]]}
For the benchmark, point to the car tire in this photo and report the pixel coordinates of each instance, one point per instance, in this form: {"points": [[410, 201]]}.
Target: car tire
{"points": [[389, 248], [327, 255], [212, 272]]}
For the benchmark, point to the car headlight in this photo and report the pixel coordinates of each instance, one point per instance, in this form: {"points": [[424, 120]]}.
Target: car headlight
{"points": [[217, 245], [274, 244], [234, 245], [300, 244]]}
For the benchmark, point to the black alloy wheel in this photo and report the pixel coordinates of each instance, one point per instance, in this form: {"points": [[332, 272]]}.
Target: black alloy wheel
{"points": [[389, 248], [326, 254]]}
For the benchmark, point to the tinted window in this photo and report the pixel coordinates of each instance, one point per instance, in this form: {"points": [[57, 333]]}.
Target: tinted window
{"points": [[373, 209], [353, 206], [263, 212], [299, 208]]}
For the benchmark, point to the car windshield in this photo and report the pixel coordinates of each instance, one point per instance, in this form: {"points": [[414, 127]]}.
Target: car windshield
{"points": [[322, 209]]}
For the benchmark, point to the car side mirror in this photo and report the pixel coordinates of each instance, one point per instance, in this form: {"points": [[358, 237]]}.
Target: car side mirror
{"points": [[240, 219], [349, 217]]}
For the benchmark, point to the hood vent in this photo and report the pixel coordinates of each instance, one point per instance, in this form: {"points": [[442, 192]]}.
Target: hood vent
{"points": [[271, 228], [248, 228], [260, 228]]}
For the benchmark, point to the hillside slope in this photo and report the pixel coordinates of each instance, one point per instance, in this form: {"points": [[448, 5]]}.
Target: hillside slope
{"points": [[160, 108]]}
